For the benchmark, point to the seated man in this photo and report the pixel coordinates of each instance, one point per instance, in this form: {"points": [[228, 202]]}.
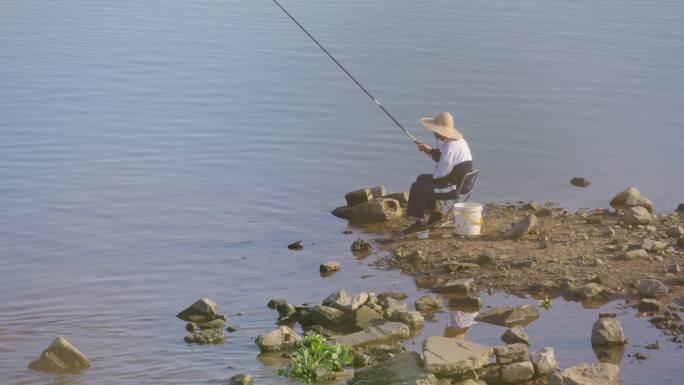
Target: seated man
{"points": [[453, 162]]}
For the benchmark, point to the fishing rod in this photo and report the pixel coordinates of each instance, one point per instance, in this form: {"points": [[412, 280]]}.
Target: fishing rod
{"points": [[348, 74]]}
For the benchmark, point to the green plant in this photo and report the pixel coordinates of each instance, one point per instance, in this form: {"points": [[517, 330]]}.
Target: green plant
{"points": [[546, 303], [315, 357]]}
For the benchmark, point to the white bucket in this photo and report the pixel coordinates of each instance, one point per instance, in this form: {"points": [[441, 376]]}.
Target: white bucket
{"points": [[423, 234], [467, 218]]}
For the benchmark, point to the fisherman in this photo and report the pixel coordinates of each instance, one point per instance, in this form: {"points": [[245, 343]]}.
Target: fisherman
{"points": [[454, 160]]}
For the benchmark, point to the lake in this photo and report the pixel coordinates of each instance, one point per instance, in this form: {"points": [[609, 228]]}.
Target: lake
{"points": [[155, 152]]}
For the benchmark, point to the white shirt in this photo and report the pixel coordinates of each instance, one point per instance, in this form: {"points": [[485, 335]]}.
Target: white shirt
{"points": [[453, 153]]}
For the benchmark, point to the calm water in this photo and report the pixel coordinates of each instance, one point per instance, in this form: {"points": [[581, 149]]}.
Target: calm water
{"points": [[155, 152]]}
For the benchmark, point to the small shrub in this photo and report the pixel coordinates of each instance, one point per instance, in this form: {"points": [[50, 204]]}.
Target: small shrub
{"points": [[314, 357]]}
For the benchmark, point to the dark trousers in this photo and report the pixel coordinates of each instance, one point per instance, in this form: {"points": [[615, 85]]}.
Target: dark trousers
{"points": [[421, 196]]}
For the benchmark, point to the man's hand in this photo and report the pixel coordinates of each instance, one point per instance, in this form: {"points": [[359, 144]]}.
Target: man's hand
{"points": [[423, 147]]}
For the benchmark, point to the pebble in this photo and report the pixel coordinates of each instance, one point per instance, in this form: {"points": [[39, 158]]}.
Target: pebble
{"points": [[296, 245]]}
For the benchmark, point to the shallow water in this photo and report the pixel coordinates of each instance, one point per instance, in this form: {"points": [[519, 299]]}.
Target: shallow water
{"points": [[155, 152]]}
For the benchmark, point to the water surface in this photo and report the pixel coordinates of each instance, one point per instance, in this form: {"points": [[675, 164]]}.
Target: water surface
{"points": [[155, 152]]}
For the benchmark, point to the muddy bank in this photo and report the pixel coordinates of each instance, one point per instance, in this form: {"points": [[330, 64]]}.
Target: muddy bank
{"points": [[589, 255]]}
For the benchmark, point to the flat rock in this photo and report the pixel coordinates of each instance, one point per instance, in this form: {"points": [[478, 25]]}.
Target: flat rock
{"points": [[429, 303], [365, 317], [595, 290], [651, 288], [466, 302], [341, 300], [327, 316], [455, 286], [282, 338], [544, 361], [607, 331], [509, 316], [588, 374], [515, 335], [203, 310], [388, 332], [207, 336], [517, 372], [60, 357], [447, 356], [520, 229], [402, 369]]}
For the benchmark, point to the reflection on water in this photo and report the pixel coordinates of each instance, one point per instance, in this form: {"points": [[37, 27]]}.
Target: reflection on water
{"points": [[609, 354]]}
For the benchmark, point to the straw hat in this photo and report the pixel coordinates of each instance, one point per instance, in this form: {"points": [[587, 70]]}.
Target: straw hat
{"points": [[442, 124]]}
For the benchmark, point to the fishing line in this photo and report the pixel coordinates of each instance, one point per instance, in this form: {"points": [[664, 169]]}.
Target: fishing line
{"points": [[347, 72]]}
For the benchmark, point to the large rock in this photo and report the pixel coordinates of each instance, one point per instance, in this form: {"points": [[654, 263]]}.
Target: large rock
{"points": [[631, 197], [455, 286], [446, 356], [520, 229], [329, 267], [588, 374], [203, 310], [428, 303], [651, 288], [544, 361], [607, 331], [637, 215], [515, 335], [411, 318], [388, 332], [509, 316], [207, 336], [60, 357], [375, 210], [282, 338], [402, 369], [341, 300], [517, 372]]}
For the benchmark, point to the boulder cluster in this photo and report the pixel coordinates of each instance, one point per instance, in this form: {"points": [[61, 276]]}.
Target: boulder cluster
{"points": [[372, 204], [205, 322], [356, 320]]}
